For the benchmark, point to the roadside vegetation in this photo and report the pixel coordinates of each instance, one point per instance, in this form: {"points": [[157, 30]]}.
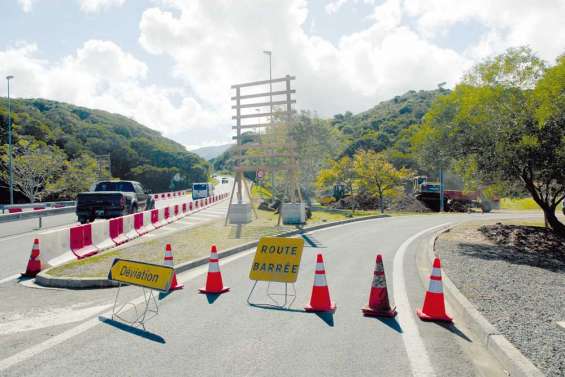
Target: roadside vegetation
{"points": [[60, 150]]}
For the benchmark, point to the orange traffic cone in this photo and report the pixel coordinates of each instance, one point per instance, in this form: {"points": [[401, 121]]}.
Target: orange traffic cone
{"points": [[378, 300], [214, 283], [434, 304], [169, 262], [34, 264], [320, 300]]}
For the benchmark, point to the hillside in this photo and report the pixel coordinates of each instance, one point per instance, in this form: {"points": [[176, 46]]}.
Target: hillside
{"points": [[136, 151], [209, 153], [384, 125]]}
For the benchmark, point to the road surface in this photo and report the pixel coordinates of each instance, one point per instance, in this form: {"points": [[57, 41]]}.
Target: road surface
{"points": [[196, 335], [15, 249]]}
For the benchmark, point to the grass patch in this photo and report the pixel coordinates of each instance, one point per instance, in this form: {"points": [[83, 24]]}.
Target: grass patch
{"points": [[189, 244], [518, 204]]}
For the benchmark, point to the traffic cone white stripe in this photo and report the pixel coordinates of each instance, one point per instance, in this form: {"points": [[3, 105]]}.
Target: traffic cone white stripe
{"points": [[320, 280], [435, 286], [379, 281], [319, 267], [213, 267], [436, 272]]}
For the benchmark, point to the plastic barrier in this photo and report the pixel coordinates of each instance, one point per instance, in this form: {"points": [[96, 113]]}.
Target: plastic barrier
{"points": [[38, 208], [162, 220], [81, 241], [190, 206], [117, 230], [167, 215], [54, 243], [184, 209], [155, 218], [176, 212], [147, 225], [101, 235], [129, 228]]}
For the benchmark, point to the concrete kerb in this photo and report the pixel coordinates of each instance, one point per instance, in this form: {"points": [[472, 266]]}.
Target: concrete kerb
{"points": [[46, 280], [515, 363]]}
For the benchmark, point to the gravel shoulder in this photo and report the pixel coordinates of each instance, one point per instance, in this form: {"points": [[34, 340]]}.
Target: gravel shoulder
{"points": [[519, 290]]}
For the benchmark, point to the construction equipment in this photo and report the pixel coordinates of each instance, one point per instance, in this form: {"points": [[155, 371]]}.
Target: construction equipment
{"points": [[454, 200]]}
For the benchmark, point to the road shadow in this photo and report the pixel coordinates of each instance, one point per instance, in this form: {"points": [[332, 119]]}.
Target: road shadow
{"points": [[279, 308], [390, 322], [548, 261], [212, 297], [132, 330], [164, 295], [327, 317], [311, 241], [452, 328]]}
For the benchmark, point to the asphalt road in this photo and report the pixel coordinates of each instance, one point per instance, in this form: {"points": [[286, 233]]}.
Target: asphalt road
{"points": [[15, 246], [196, 335]]}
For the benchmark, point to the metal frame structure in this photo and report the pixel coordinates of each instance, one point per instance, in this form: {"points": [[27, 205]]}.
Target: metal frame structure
{"points": [[285, 305], [280, 97], [140, 317]]}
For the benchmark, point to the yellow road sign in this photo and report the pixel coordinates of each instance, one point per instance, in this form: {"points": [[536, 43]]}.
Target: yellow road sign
{"points": [[148, 275], [277, 259]]}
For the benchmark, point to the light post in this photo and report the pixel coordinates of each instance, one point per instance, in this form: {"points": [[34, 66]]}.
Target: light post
{"points": [[11, 162], [269, 54]]}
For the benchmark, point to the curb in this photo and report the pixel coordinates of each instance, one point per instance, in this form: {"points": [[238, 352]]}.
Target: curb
{"points": [[515, 363], [89, 283]]}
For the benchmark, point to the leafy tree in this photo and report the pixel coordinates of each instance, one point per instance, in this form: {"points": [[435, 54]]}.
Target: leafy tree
{"points": [[339, 172], [508, 117], [378, 177], [77, 176], [34, 167], [154, 178]]}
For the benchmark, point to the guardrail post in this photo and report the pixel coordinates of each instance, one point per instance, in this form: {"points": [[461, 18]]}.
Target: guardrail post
{"points": [[40, 221]]}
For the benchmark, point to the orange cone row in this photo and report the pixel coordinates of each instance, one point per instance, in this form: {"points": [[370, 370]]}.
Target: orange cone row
{"points": [[320, 301]]}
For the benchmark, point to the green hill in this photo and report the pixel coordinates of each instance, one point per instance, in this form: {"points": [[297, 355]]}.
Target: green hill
{"points": [[388, 123], [136, 151]]}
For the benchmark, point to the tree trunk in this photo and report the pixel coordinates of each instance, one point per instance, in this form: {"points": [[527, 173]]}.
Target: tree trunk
{"points": [[548, 210], [381, 203]]}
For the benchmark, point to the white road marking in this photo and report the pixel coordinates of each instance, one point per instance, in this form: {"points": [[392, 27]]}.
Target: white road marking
{"points": [[71, 333], [419, 360], [48, 318], [9, 278]]}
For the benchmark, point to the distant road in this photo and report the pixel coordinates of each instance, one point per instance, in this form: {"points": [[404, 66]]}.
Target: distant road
{"points": [[16, 238]]}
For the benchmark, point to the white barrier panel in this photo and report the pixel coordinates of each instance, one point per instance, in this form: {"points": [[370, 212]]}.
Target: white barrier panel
{"points": [[101, 235], [129, 229], [162, 220], [147, 226], [53, 243]]}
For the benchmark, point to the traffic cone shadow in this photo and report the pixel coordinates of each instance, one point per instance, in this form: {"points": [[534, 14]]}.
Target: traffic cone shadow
{"points": [[327, 317], [390, 322], [211, 297], [452, 328]]}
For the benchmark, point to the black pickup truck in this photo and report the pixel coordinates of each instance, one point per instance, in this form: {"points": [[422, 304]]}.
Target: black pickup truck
{"points": [[110, 199]]}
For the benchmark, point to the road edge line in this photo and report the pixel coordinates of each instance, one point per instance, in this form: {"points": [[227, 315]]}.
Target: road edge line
{"points": [[44, 280], [505, 352]]}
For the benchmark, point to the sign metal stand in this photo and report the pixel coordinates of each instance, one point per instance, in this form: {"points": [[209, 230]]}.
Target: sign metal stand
{"points": [[149, 306], [289, 297]]}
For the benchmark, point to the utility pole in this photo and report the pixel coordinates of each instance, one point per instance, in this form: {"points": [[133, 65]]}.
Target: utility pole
{"points": [[10, 153], [269, 54], [441, 195]]}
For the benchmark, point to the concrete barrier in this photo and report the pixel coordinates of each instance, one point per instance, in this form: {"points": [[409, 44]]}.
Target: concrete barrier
{"points": [[117, 230], [81, 241], [101, 235]]}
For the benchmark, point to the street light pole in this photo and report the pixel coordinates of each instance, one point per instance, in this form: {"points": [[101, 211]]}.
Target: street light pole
{"points": [[10, 159]]}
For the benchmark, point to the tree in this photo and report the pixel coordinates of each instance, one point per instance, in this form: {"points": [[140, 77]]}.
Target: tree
{"points": [[35, 166], [154, 178], [377, 176], [339, 172], [508, 117], [77, 176]]}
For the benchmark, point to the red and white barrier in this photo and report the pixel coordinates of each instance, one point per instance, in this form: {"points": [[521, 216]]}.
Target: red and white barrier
{"points": [[81, 241], [117, 230], [101, 235], [129, 228], [155, 218]]}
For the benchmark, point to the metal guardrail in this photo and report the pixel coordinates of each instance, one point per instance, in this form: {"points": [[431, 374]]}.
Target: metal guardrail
{"points": [[45, 205], [36, 214]]}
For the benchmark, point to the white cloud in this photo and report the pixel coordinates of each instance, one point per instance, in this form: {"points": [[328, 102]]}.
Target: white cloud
{"points": [[92, 6], [101, 75], [334, 6], [26, 5]]}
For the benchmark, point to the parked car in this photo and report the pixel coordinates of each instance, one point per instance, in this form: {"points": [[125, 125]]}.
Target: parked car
{"points": [[224, 180], [108, 199]]}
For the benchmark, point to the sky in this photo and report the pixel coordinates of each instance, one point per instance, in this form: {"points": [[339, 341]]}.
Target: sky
{"points": [[170, 64]]}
